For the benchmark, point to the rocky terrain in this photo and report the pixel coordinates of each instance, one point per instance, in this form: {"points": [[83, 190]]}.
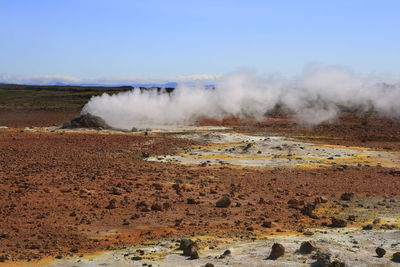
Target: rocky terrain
{"points": [[66, 195]]}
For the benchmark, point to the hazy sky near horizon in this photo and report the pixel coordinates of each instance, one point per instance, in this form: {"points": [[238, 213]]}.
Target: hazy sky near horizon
{"points": [[156, 38]]}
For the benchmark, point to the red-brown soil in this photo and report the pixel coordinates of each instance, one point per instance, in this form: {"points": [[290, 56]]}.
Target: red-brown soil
{"points": [[67, 193], [23, 117]]}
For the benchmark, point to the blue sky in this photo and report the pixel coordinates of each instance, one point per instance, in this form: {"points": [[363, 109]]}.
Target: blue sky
{"points": [[157, 39]]}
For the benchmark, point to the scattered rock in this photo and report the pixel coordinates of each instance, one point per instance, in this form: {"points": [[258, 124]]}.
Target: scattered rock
{"points": [[4, 235], [223, 202], [112, 204], [227, 252], [4, 257], [116, 191], [308, 209], [156, 206], [338, 222], [368, 227], [380, 252], [319, 200], [347, 196], [376, 221], [277, 251], [388, 226], [191, 201], [209, 265], [268, 224], [351, 218], [307, 247], [308, 233], [325, 260]]}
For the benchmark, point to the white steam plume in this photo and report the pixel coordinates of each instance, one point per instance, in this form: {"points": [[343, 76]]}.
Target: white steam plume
{"points": [[315, 96]]}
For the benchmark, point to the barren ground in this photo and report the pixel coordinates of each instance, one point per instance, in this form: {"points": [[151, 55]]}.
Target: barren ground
{"points": [[64, 194]]}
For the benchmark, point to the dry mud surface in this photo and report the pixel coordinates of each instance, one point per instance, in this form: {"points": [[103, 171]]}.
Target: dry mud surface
{"points": [[103, 198]]}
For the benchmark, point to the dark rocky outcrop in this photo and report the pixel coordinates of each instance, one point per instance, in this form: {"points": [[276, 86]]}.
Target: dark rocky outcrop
{"points": [[87, 121]]}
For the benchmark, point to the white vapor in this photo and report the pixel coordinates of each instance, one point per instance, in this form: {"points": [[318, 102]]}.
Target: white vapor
{"points": [[314, 97]]}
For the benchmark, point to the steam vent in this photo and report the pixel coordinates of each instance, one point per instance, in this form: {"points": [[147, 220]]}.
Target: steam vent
{"points": [[87, 121]]}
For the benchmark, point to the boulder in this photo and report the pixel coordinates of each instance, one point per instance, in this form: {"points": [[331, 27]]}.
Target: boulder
{"points": [[380, 252], [189, 248], [277, 251], [396, 257]]}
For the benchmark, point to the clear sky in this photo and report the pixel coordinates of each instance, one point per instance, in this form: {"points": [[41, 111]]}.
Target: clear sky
{"points": [[166, 38]]}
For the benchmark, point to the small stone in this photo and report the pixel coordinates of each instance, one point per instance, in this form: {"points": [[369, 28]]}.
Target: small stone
{"points": [[367, 227], [223, 202], [277, 251], [323, 259], [112, 204], [307, 247], [351, 218], [5, 257], [320, 200], [209, 265], [135, 216], [380, 252], [191, 201], [227, 252], [4, 235], [268, 224], [156, 206], [376, 221], [396, 257], [136, 258], [338, 222], [308, 233], [347, 196]]}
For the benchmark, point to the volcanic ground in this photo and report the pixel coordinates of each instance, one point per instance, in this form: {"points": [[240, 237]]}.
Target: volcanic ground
{"points": [[67, 194]]}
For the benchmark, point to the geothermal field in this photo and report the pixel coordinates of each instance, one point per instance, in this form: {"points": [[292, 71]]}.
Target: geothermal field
{"points": [[249, 172]]}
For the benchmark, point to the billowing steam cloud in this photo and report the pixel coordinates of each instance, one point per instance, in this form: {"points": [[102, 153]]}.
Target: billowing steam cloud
{"points": [[315, 96]]}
